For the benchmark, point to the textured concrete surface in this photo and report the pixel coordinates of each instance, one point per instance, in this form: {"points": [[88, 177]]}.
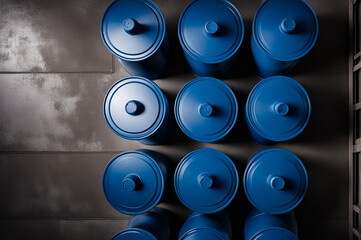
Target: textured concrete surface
{"points": [[55, 144]]}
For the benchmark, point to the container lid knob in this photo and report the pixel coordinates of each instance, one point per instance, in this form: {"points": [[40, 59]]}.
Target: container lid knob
{"points": [[205, 180], [131, 182], [288, 25], [134, 107], [130, 25], [205, 109], [211, 27], [281, 108], [276, 182]]}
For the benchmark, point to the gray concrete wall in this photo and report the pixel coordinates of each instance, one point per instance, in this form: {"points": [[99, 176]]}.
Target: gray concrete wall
{"points": [[55, 144]]}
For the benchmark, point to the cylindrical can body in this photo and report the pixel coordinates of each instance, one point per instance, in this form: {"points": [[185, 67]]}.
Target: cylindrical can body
{"points": [[264, 226], [136, 109], [283, 32], [200, 226], [135, 32], [277, 109], [206, 180], [206, 109], [153, 225], [134, 182], [211, 33], [275, 181]]}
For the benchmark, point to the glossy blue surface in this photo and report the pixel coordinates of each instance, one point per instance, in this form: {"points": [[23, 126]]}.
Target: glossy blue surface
{"points": [[206, 180], [134, 31], [153, 225], [207, 227], [277, 109], [134, 182], [136, 109], [275, 181], [264, 226], [211, 33], [283, 32], [206, 109]]}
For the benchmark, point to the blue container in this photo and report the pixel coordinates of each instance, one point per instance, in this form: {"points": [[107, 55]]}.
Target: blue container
{"points": [[200, 226], [153, 225], [134, 31], [277, 109], [211, 33], [206, 109], [206, 180], [136, 109], [275, 181], [283, 32], [264, 226], [134, 182]]}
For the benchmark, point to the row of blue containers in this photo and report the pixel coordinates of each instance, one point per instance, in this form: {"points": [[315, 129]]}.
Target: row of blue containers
{"points": [[158, 224], [211, 33], [206, 180], [206, 109]]}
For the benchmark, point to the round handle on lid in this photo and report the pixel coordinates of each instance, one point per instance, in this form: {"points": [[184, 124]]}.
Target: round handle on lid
{"points": [[205, 180], [281, 108], [205, 109], [288, 25], [131, 182], [276, 182], [134, 107], [130, 25], [211, 27]]}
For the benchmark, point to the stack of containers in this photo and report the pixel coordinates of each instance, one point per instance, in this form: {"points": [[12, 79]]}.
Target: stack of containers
{"points": [[134, 182], [206, 109], [277, 109]]}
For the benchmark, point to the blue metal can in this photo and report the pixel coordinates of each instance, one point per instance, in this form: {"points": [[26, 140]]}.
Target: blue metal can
{"points": [[266, 226], [275, 181], [134, 182], [206, 180], [283, 32], [277, 109], [135, 32], [153, 225], [200, 226], [206, 109], [136, 109], [211, 33]]}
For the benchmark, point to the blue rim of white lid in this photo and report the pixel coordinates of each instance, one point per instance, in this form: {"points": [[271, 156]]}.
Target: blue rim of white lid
{"points": [[256, 126], [228, 198], [226, 129], [162, 102], [149, 52], [255, 158], [157, 195], [226, 55], [260, 44]]}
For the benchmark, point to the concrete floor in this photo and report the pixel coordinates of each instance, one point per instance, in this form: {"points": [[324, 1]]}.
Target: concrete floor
{"points": [[55, 144]]}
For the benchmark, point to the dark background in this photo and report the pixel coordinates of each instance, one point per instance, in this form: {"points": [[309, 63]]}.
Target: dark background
{"points": [[55, 144]]}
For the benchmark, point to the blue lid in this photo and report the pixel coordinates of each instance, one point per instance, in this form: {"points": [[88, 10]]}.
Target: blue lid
{"points": [[286, 29], [133, 29], [206, 180], [206, 109], [278, 108], [133, 182], [275, 234], [134, 108], [275, 181], [203, 234], [211, 31], [134, 233]]}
